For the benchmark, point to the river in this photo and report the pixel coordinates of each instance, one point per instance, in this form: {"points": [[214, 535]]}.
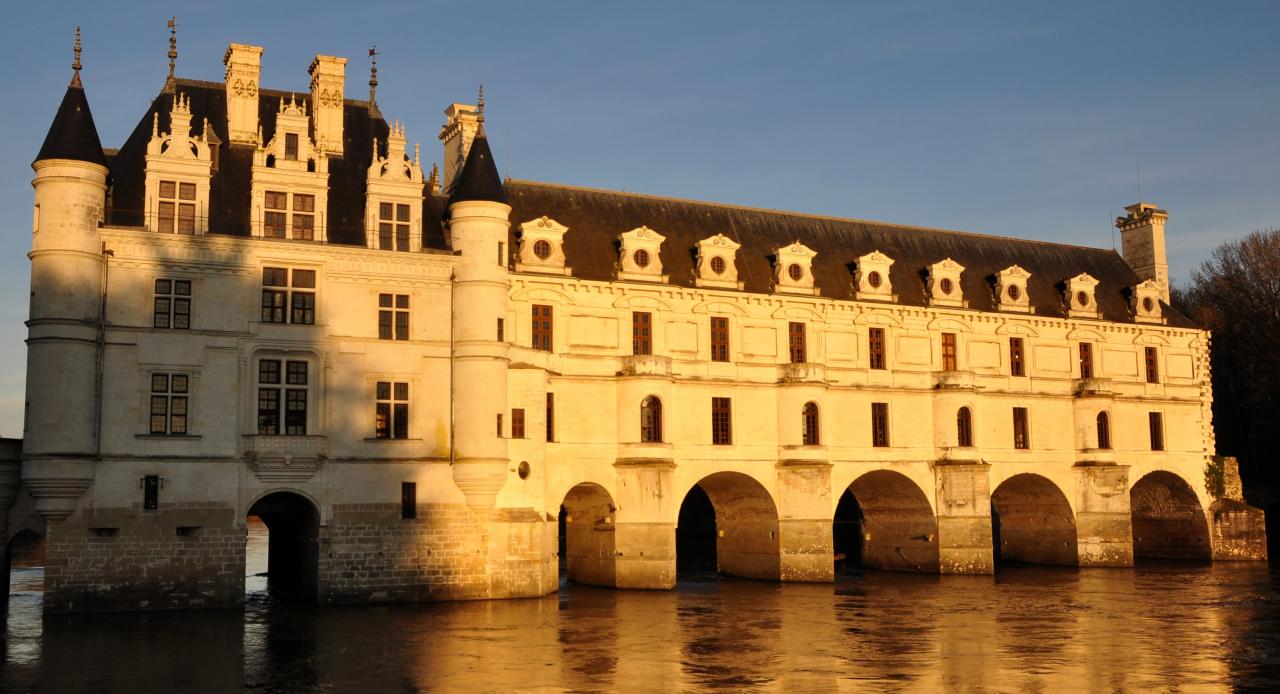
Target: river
{"points": [[1153, 628]]}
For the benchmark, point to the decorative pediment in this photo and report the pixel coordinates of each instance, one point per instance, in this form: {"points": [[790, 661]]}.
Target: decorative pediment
{"points": [[541, 247], [291, 147], [793, 269], [393, 186], [1144, 302], [178, 170], [1011, 289], [871, 278], [717, 263], [1079, 294], [639, 255], [943, 283]]}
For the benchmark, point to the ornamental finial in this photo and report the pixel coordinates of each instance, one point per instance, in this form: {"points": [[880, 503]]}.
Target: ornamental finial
{"points": [[170, 83], [75, 77], [480, 104], [373, 74]]}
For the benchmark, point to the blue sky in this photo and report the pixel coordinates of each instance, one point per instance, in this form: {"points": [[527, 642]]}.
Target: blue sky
{"points": [[1023, 119]]}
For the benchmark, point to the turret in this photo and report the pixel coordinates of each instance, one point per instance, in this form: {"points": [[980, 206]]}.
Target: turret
{"points": [[63, 338], [479, 222], [1142, 241]]}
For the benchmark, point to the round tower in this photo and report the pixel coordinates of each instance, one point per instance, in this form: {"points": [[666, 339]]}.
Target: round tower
{"points": [[60, 443], [479, 224]]}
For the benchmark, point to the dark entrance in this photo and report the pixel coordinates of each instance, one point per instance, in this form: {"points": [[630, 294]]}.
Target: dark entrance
{"points": [[846, 534], [293, 527], [23, 562], [1168, 521], [1032, 523], [696, 534]]}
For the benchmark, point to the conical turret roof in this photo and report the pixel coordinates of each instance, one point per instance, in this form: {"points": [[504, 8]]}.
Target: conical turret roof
{"points": [[479, 179], [73, 134]]}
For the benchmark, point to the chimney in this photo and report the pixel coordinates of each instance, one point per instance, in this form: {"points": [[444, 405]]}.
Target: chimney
{"points": [[244, 68], [1142, 243], [462, 121], [328, 76]]}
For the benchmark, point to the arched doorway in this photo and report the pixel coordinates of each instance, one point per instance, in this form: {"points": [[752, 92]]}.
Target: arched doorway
{"points": [[1032, 523], [1168, 521], [24, 566], [729, 523], [293, 547], [587, 536], [884, 521]]}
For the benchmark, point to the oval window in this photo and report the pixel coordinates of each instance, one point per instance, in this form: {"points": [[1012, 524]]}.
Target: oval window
{"points": [[873, 279], [795, 272], [641, 258], [542, 249], [1014, 292], [523, 470], [946, 285], [717, 265], [1148, 305], [1082, 298]]}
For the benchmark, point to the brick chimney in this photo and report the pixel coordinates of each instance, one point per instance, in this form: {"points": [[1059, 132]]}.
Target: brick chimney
{"points": [[328, 77], [462, 121], [244, 69], [1142, 243]]}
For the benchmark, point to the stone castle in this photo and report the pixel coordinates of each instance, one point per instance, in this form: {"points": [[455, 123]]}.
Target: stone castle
{"points": [[444, 385]]}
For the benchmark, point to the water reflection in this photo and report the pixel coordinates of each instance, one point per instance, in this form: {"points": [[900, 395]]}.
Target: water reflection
{"points": [[1169, 626]]}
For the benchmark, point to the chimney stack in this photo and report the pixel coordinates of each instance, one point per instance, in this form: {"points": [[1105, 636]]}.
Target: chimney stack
{"points": [[244, 69], [462, 122], [1142, 243], [328, 77]]}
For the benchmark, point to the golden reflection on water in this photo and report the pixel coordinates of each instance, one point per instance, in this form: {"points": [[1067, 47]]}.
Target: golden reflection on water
{"points": [[1162, 627]]}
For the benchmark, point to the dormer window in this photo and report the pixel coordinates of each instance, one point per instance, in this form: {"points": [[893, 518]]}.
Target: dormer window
{"points": [[177, 209], [716, 266], [871, 279], [944, 283], [1145, 303], [280, 221], [178, 170], [291, 146], [1011, 290], [393, 226], [793, 270], [290, 180], [639, 257], [540, 247], [1079, 296], [393, 205]]}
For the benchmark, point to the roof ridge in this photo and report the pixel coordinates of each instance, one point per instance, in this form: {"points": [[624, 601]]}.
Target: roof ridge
{"points": [[265, 91], [809, 215]]}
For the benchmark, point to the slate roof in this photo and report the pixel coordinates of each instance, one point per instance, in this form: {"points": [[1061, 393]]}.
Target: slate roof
{"points": [[596, 217], [72, 135]]}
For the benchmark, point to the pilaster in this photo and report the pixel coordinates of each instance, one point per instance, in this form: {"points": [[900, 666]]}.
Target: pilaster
{"points": [[645, 536], [964, 517], [1104, 523]]}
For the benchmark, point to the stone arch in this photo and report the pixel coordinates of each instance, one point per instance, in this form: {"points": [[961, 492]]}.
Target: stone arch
{"points": [[745, 525], [586, 536], [1168, 520], [1032, 522], [884, 521], [293, 556], [23, 549]]}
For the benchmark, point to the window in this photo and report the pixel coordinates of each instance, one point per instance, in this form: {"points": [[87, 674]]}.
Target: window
{"points": [[641, 258], [1153, 368], [172, 305], [651, 420], [1104, 431], [169, 403], [880, 424], [291, 419], [795, 272], [517, 423], [719, 338], [1016, 360], [948, 351], [499, 425], [721, 421], [276, 295], [810, 424], [177, 208], [964, 427], [408, 499], [1156, 420], [1021, 429], [641, 332], [276, 217], [796, 342], [393, 227], [393, 316], [502, 330], [291, 146], [542, 249], [150, 493], [875, 347], [1086, 360], [718, 265], [542, 327], [551, 416], [391, 411]]}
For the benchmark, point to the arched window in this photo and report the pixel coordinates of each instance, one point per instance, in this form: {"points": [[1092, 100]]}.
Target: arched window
{"points": [[651, 420], [1104, 430], [964, 428], [811, 437]]}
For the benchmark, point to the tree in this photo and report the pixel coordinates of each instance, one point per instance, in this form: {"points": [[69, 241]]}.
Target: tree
{"points": [[1236, 295]]}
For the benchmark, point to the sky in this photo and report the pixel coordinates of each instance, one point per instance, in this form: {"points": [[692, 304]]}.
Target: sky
{"points": [[1027, 119]]}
